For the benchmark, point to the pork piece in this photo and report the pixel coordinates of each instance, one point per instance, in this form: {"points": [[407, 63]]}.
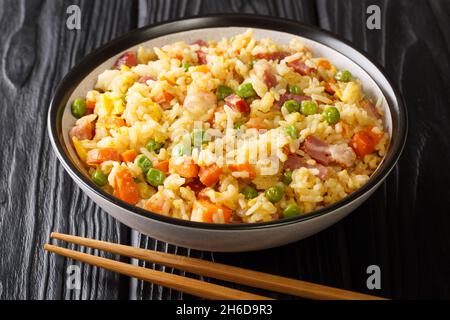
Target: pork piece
{"points": [[326, 154], [84, 128], [294, 162], [300, 67], [264, 70]]}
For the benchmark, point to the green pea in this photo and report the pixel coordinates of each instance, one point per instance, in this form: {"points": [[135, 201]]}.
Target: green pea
{"points": [[274, 194], [99, 178], [245, 90], [294, 89], [249, 192], [179, 150], [186, 66], [308, 107], [292, 210], [198, 137], [343, 75], [78, 108], [331, 115], [291, 130], [143, 162], [223, 92], [237, 125], [291, 106], [153, 145], [155, 177], [287, 177]]}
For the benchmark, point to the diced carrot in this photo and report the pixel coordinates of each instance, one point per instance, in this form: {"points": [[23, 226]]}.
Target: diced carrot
{"points": [[163, 97], [376, 137], [328, 88], [125, 188], [90, 104], [332, 80], [97, 156], [210, 175], [202, 68], [162, 165], [187, 169], [203, 194], [256, 123], [129, 155], [110, 122], [364, 142], [324, 64], [158, 203], [244, 167], [206, 211]]}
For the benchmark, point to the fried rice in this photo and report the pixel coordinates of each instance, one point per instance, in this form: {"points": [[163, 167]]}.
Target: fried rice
{"points": [[231, 131]]}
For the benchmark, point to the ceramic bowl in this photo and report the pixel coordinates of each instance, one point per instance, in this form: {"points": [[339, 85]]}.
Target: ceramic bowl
{"points": [[226, 237]]}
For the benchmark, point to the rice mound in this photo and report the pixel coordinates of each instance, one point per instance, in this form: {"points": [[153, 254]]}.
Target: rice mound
{"points": [[170, 92]]}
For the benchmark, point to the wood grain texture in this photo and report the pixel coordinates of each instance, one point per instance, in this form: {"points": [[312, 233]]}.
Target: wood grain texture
{"points": [[403, 227], [37, 196]]}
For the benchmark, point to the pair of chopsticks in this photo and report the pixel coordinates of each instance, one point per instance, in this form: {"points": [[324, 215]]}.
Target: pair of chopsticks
{"points": [[197, 266]]}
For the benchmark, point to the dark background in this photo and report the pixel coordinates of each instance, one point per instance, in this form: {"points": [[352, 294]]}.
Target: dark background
{"points": [[404, 227]]}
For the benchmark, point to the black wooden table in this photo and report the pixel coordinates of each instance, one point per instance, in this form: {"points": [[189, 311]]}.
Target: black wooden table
{"points": [[404, 228]]}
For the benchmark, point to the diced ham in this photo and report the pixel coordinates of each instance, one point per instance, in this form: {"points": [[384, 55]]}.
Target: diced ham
{"points": [[279, 55], [300, 67], [144, 79], [317, 149], [128, 59], [195, 185], [264, 70], [294, 162], [370, 108], [84, 128], [200, 42], [325, 154], [201, 56], [292, 96], [269, 78], [237, 103]]}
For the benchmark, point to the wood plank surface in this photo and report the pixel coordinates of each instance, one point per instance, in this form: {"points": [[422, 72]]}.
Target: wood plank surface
{"points": [[403, 227], [37, 196]]}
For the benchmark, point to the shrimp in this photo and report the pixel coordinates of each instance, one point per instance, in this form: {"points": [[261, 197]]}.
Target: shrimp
{"points": [[199, 103], [158, 203]]}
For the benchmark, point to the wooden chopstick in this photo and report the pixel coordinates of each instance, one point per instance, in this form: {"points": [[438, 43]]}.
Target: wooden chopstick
{"points": [[184, 284], [223, 272]]}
